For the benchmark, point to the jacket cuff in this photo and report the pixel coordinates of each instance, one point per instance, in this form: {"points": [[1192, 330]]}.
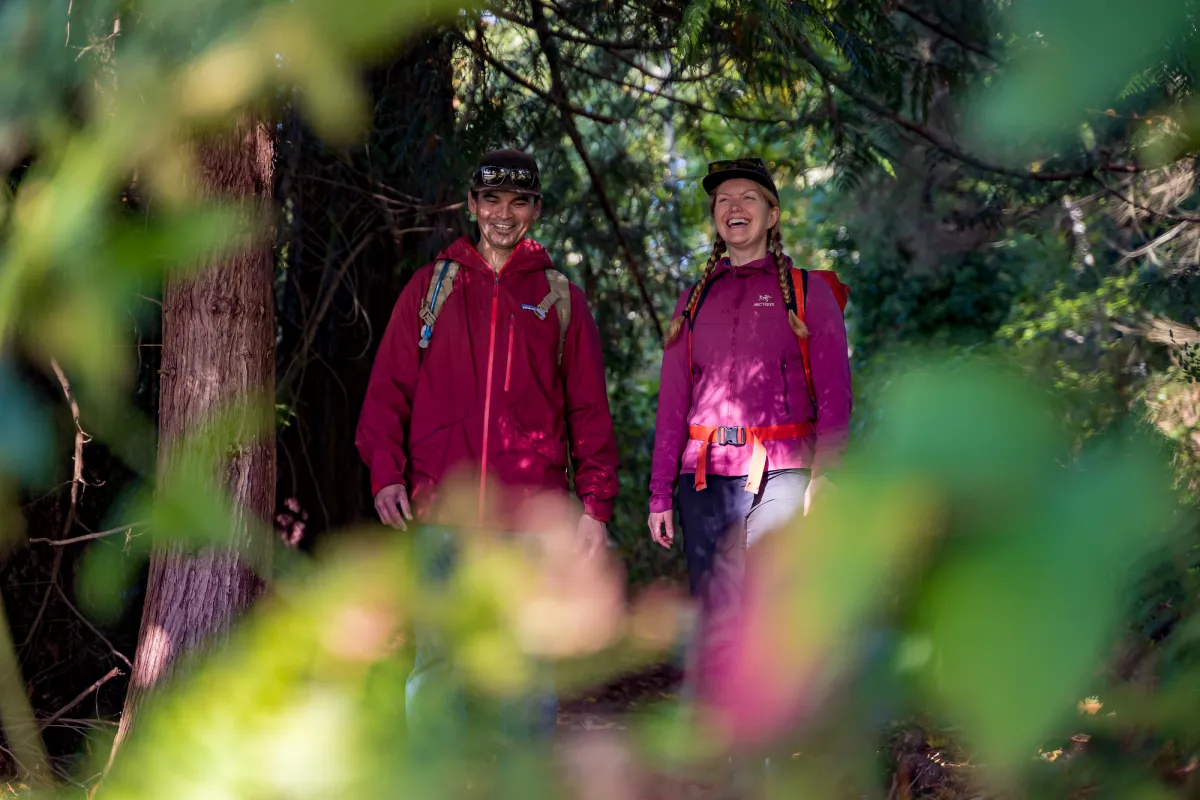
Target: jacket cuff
{"points": [[382, 480], [661, 503], [600, 510]]}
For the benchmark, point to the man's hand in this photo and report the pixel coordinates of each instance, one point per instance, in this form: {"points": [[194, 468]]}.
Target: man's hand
{"points": [[593, 535], [816, 486], [392, 505], [662, 527]]}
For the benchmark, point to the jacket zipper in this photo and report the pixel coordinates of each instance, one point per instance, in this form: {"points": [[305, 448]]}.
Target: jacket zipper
{"points": [[730, 389], [512, 325], [487, 395]]}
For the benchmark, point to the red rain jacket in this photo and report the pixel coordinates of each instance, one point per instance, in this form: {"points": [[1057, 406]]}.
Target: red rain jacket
{"points": [[488, 394]]}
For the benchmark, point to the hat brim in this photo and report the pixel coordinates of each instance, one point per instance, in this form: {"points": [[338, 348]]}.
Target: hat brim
{"points": [[713, 180], [505, 187]]}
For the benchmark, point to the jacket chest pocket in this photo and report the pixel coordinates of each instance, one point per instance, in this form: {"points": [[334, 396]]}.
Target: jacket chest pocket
{"points": [[531, 349]]}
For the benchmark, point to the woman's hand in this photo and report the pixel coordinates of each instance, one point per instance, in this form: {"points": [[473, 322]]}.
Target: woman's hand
{"points": [[662, 527]]}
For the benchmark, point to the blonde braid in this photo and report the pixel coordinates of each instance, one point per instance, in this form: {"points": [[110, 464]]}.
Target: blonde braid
{"points": [[676, 327], [785, 286]]}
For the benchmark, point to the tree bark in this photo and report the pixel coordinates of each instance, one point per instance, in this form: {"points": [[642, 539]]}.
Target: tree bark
{"points": [[218, 347]]}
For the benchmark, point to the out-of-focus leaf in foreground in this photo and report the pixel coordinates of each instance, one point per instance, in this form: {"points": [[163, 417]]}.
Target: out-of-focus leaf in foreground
{"points": [[1078, 55], [303, 700], [178, 80], [1014, 563], [277, 712], [186, 506], [1020, 618], [24, 431], [1040, 554]]}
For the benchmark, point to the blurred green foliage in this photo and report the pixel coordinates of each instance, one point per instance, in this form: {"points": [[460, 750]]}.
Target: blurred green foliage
{"points": [[1007, 527]]}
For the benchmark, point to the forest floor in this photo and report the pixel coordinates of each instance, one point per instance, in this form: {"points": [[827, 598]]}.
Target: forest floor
{"points": [[594, 726], [605, 707]]}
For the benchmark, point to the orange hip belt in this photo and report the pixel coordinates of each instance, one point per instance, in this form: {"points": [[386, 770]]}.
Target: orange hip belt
{"points": [[738, 436]]}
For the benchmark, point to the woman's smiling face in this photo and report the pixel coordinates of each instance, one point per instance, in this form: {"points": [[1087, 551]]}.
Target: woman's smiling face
{"points": [[743, 214]]}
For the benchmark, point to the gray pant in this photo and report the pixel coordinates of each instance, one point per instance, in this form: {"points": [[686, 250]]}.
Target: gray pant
{"points": [[442, 714], [719, 525]]}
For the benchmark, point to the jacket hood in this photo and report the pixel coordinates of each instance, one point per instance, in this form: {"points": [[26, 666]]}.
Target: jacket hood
{"points": [[529, 256]]}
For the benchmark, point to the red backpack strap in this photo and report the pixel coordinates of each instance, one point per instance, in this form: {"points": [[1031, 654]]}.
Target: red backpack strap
{"points": [[799, 279]]}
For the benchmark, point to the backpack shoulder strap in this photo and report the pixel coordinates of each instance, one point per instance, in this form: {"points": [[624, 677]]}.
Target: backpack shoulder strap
{"points": [[560, 298], [799, 281], [700, 300], [690, 320], [444, 273]]}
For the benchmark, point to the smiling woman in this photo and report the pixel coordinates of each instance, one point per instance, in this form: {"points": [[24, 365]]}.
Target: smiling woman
{"points": [[754, 401]]}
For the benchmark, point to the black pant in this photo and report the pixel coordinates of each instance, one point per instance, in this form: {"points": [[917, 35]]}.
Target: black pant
{"points": [[726, 519], [719, 525]]}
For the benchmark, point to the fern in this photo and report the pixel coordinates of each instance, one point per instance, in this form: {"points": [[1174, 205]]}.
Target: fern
{"points": [[697, 15], [854, 164], [1142, 82]]}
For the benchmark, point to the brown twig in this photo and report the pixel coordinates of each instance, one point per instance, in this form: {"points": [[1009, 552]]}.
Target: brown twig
{"points": [[77, 485], [670, 98], [829, 74], [558, 93], [1129, 201], [112, 673], [517, 79], [591, 41], [1159, 330], [120, 656], [310, 332], [937, 27], [88, 537]]}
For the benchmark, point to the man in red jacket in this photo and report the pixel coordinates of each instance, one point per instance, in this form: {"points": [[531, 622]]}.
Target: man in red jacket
{"points": [[488, 395], [490, 379]]}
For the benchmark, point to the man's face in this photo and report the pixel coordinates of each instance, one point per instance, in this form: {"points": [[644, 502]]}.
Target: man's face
{"points": [[504, 217]]}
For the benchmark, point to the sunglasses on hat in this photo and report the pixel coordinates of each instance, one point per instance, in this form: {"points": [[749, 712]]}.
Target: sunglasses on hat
{"points": [[752, 164], [497, 176]]}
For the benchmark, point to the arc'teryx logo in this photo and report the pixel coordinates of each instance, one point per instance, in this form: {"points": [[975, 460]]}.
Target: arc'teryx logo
{"points": [[764, 300]]}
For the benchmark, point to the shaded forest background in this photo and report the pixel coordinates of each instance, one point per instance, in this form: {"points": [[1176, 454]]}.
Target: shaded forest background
{"points": [[1067, 249]]}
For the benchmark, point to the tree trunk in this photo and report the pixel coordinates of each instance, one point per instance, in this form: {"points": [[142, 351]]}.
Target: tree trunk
{"points": [[218, 347]]}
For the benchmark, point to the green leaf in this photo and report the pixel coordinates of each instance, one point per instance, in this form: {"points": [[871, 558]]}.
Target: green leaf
{"points": [[183, 240], [1080, 55], [1020, 620], [25, 431]]}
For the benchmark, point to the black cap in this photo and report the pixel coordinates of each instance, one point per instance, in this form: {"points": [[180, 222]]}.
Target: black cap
{"points": [[752, 169], [512, 171]]}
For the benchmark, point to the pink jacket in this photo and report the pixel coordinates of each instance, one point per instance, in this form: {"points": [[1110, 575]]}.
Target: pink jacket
{"points": [[747, 371]]}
